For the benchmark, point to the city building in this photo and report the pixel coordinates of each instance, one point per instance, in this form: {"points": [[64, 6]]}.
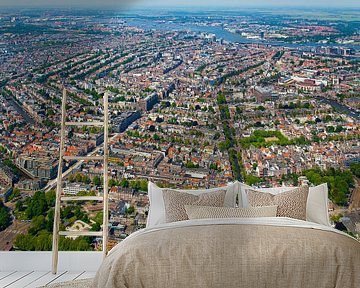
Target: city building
{"points": [[122, 122], [148, 103], [42, 167], [263, 94], [7, 177], [75, 188], [309, 85], [30, 185]]}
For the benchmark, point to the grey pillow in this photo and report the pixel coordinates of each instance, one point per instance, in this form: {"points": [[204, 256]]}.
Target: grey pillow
{"points": [[175, 202], [291, 204]]}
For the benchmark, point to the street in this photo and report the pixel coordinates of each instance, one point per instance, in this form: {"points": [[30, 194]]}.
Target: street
{"points": [[355, 199], [51, 184], [8, 235]]}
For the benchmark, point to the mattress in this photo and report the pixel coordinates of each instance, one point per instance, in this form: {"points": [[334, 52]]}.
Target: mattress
{"points": [[237, 252]]}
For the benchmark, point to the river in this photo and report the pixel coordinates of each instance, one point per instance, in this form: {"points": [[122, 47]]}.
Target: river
{"points": [[220, 33]]}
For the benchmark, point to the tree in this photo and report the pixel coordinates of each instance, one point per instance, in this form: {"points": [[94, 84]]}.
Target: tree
{"points": [[339, 183], [217, 135], [124, 183], [50, 198], [355, 169], [25, 242], [336, 218], [67, 213], [5, 219], [221, 99], [19, 206], [330, 129], [130, 210], [213, 166], [252, 180], [339, 129], [14, 194], [38, 223], [97, 181], [78, 177], [144, 185], [43, 242], [211, 109], [112, 182], [50, 220], [37, 206], [99, 218], [190, 165], [95, 227]]}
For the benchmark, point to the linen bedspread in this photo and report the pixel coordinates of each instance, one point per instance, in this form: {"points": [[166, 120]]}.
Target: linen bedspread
{"points": [[252, 253]]}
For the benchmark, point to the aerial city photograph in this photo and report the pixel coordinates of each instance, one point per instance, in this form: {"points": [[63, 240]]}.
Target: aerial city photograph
{"points": [[180, 143]]}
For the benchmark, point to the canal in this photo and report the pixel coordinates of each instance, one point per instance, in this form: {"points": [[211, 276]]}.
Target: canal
{"points": [[348, 111], [20, 110]]}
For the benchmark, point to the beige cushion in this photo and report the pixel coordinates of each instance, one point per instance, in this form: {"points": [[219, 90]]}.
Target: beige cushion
{"points": [[291, 204], [203, 212], [156, 214], [317, 208], [175, 202]]}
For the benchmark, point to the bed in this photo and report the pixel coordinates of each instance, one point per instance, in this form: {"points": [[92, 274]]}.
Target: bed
{"points": [[233, 252]]}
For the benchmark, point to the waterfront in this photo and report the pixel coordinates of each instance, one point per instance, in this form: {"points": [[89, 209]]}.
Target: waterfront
{"points": [[12, 102], [348, 111], [150, 24]]}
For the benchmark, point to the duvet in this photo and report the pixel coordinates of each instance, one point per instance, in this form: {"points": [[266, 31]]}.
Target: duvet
{"points": [[252, 253]]}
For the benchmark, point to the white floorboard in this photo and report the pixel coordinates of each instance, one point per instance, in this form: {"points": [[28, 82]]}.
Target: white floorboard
{"points": [[5, 274], [12, 278], [68, 276], [31, 269], [86, 275], [46, 279], [34, 279], [28, 279]]}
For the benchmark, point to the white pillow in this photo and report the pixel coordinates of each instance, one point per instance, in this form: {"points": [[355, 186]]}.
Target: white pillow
{"points": [[156, 214], [317, 207]]}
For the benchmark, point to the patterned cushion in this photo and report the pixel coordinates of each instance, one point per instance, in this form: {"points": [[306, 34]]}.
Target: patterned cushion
{"points": [[156, 215], [202, 212], [175, 202], [291, 204]]}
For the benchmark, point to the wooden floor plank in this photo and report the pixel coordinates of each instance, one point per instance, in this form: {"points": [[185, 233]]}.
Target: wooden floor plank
{"points": [[46, 279], [86, 275], [68, 276], [12, 278], [27, 280], [34, 279], [5, 274]]}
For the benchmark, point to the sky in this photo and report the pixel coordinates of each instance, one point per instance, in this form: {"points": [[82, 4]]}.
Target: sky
{"points": [[179, 3]]}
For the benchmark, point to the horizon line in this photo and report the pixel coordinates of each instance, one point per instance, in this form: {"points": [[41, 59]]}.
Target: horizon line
{"points": [[134, 6]]}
